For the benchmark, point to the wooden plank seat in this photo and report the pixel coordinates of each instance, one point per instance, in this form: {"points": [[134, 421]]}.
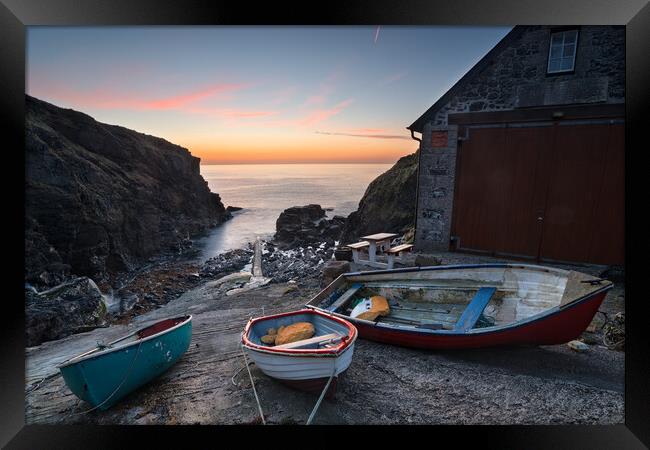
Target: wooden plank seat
{"points": [[356, 247], [344, 297], [474, 309], [397, 250], [400, 248], [311, 341]]}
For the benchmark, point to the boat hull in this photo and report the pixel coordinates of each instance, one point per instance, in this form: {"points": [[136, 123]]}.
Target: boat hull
{"points": [[297, 368], [306, 369], [557, 328], [106, 378]]}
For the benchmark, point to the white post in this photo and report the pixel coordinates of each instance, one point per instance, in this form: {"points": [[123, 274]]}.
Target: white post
{"points": [[355, 255], [390, 260]]}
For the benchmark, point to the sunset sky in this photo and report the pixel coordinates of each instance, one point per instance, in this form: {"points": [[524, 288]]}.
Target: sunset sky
{"points": [[258, 94]]}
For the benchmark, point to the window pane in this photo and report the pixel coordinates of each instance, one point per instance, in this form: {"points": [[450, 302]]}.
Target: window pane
{"points": [[554, 65], [567, 63], [556, 51], [568, 50], [570, 37], [556, 39]]}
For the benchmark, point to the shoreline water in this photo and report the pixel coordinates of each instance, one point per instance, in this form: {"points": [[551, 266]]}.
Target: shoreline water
{"points": [[264, 191]]}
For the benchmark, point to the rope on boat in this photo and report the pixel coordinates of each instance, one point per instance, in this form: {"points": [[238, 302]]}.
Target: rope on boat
{"points": [[250, 375], [41, 381], [322, 395], [137, 353]]}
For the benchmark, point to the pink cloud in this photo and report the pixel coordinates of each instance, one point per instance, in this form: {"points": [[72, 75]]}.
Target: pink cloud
{"points": [[310, 118], [326, 88], [232, 113], [320, 115], [105, 99]]}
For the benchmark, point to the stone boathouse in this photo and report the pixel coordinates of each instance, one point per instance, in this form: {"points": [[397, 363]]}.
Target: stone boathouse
{"points": [[524, 155]]}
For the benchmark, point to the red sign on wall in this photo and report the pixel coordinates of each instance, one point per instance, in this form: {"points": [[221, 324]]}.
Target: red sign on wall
{"points": [[439, 139]]}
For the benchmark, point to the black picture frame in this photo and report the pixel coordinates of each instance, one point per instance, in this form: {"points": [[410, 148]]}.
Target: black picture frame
{"points": [[15, 15]]}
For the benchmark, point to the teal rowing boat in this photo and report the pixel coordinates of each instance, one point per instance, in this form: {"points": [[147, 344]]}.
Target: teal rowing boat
{"points": [[105, 374]]}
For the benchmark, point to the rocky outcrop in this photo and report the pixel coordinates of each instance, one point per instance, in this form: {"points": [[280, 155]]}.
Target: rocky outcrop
{"points": [[72, 307], [388, 204], [332, 269], [103, 198], [304, 225]]}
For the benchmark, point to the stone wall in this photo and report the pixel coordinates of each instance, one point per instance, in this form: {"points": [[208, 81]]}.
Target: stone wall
{"points": [[436, 179], [514, 77]]}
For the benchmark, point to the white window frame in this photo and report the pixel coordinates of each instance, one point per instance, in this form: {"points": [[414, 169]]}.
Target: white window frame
{"points": [[561, 47]]}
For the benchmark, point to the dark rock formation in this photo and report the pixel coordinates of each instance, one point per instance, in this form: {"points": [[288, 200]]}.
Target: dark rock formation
{"points": [[103, 198], [304, 225], [298, 263], [231, 261], [72, 307], [388, 204]]}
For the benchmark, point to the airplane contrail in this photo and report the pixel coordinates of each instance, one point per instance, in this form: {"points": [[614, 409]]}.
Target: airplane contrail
{"points": [[377, 33]]}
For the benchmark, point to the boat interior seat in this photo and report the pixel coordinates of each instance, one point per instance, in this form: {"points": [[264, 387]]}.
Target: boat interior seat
{"points": [[313, 341], [474, 309]]}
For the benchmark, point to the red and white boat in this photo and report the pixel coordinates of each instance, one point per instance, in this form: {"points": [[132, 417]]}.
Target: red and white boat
{"points": [[307, 364], [469, 306]]}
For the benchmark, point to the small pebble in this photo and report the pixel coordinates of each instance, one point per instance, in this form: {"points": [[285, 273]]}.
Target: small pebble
{"points": [[578, 346]]}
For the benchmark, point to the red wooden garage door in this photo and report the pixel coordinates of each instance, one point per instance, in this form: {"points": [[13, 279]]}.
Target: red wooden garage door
{"points": [[550, 192]]}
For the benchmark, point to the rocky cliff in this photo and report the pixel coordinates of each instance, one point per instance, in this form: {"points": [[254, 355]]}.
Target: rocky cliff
{"points": [[388, 203], [102, 198]]}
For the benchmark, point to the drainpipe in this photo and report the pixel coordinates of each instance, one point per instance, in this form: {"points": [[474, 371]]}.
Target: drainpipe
{"points": [[417, 183]]}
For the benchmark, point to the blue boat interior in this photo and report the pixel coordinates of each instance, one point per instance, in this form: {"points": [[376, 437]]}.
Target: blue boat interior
{"points": [[459, 299], [322, 326]]}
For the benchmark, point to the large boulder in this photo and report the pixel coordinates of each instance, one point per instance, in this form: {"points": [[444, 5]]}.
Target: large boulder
{"points": [[102, 198], [332, 270], [388, 204], [72, 307], [304, 225]]}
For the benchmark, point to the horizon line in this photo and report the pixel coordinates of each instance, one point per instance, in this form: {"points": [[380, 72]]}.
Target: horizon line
{"points": [[211, 163]]}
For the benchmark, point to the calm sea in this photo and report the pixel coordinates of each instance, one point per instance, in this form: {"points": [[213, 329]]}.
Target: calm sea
{"points": [[265, 190]]}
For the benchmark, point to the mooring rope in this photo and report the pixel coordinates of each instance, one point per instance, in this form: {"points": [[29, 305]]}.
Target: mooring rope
{"points": [[250, 375], [322, 395], [137, 353], [237, 373], [41, 381]]}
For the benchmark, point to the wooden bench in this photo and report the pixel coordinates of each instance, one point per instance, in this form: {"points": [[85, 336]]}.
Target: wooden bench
{"points": [[474, 309], [397, 250], [356, 247], [311, 341]]}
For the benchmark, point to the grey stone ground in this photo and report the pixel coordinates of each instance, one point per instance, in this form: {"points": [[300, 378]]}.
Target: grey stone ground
{"points": [[383, 385]]}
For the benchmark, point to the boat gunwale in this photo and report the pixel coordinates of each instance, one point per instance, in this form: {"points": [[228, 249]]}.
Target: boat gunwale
{"points": [[325, 352], [475, 331], [74, 360]]}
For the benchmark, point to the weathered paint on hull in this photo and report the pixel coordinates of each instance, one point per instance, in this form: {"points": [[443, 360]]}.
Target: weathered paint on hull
{"points": [[94, 380], [557, 328]]}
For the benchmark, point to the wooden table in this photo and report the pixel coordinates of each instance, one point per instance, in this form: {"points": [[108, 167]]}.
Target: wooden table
{"points": [[377, 239]]}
